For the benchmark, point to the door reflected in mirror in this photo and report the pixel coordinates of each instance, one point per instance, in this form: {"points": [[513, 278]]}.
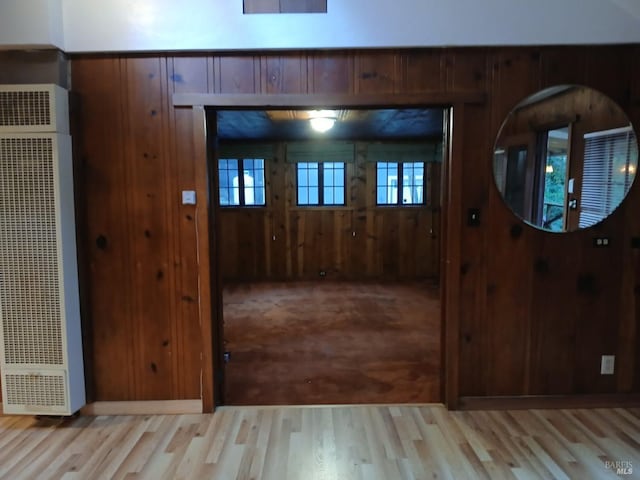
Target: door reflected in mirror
{"points": [[565, 158]]}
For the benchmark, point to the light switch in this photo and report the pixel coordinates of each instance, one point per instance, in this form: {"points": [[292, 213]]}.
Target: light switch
{"points": [[188, 197]]}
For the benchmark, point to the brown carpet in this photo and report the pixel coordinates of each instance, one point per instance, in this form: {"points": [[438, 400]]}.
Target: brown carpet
{"points": [[332, 343]]}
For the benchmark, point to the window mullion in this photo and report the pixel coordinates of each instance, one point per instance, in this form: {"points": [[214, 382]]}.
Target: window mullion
{"points": [[241, 181], [400, 184], [320, 183]]}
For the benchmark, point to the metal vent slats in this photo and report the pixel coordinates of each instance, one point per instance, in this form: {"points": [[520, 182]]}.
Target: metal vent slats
{"points": [[29, 287], [20, 109]]}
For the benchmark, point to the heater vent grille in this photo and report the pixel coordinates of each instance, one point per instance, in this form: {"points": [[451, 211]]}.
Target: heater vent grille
{"points": [[35, 390], [25, 108], [30, 303]]}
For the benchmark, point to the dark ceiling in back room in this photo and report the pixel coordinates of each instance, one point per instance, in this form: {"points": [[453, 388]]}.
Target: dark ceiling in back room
{"points": [[361, 124]]}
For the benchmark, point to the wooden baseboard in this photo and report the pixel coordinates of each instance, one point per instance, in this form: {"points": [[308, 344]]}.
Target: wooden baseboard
{"points": [[528, 402], [153, 407]]}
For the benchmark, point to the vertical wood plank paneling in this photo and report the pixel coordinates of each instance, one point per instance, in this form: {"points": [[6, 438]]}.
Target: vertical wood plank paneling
{"points": [[598, 315], [278, 195], [188, 74], [601, 63], [171, 207], [359, 187], [377, 72], [106, 238], [208, 248], [554, 322], [149, 235], [238, 74], [476, 246], [286, 74], [467, 70], [562, 66], [423, 71], [229, 244], [536, 310], [404, 247], [516, 75], [330, 73]]}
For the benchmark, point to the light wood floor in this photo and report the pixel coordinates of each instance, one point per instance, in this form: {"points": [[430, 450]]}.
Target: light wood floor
{"points": [[326, 443], [332, 342]]}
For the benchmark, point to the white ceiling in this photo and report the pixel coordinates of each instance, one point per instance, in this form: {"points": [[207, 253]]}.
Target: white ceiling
{"points": [[170, 25]]}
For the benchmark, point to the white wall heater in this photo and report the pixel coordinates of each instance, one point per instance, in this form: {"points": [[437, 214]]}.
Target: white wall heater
{"points": [[40, 336]]}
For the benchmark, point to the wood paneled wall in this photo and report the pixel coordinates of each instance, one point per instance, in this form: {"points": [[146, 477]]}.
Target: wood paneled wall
{"points": [[357, 241], [536, 309]]}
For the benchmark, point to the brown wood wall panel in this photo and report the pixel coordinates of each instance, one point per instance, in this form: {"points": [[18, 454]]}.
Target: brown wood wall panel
{"points": [[149, 234], [536, 309], [283, 75], [331, 73], [143, 274], [553, 341], [238, 74], [106, 239], [473, 282], [601, 62], [377, 73], [389, 242], [190, 75], [188, 340], [467, 70], [567, 65], [515, 74], [423, 72]]}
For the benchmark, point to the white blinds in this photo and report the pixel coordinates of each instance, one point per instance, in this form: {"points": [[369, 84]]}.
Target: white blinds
{"points": [[610, 162]]}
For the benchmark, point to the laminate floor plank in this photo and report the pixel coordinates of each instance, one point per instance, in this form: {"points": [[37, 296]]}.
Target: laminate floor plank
{"points": [[367, 442]]}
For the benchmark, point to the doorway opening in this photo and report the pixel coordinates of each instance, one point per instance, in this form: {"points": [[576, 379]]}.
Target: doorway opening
{"points": [[329, 248]]}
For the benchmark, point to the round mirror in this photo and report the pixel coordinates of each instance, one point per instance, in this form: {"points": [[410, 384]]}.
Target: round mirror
{"points": [[565, 158]]}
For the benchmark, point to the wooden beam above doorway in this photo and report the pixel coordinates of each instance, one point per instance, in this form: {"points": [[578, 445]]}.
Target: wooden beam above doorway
{"points": [[326, 101]]}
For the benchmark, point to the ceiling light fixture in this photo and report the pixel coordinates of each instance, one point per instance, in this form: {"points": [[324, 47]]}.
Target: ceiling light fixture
{"points": [[322, 120]]}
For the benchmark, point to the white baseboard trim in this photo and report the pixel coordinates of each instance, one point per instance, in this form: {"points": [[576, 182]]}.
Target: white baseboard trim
{"points": [[150, 407]]}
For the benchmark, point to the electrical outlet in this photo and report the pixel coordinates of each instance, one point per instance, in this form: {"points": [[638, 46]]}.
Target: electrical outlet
{"points": [[601, 242], [607, 364]]}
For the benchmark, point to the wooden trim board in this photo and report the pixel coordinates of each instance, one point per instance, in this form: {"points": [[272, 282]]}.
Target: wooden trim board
{"points": [[152, 407], [222, 100], [529, 402]]}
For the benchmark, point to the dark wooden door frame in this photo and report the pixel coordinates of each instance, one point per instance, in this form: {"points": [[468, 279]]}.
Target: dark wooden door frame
{"points": [[210, 288]]}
